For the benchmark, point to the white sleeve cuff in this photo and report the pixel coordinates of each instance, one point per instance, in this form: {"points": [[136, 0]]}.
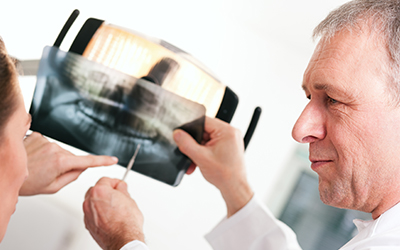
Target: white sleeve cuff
{"points": [[226, 224], [135, 245]]}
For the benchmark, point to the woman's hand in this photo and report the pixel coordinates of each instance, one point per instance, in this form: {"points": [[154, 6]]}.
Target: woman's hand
{"points": [[52, 167]]}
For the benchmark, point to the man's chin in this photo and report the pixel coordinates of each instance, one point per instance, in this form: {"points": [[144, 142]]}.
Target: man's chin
{"points": [[346, 201], [332, 198]]}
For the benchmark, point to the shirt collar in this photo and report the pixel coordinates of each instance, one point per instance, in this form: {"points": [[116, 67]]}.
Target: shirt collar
{"points": [[387, 221]]}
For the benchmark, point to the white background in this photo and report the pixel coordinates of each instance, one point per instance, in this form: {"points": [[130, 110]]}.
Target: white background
{"points": [[260, 49]]}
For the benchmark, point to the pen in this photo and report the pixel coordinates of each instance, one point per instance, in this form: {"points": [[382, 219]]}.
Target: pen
{"points": [[130, 164]]}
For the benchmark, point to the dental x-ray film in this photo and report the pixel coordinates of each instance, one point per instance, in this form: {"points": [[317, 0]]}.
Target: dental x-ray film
{"points": [[103, 111]]}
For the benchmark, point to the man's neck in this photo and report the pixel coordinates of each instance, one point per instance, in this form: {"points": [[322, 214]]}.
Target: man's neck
{"points": [[379, 210]]}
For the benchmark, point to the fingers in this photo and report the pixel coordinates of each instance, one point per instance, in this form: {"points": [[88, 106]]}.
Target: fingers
{"points": [[217, 131], [199, 153], [52, 167], [33, 136], [64, 180], [61, 181], [101, 191], [123, 188], [105, 181], [116, 184], [191, 169], [68, 161], [113, 183], [34, 141], [88, 192], [188, 146], [214, 124], [87, 161]]}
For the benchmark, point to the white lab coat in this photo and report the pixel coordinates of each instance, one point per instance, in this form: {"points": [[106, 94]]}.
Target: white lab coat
{"points": [[252, 228], [255, 228]]}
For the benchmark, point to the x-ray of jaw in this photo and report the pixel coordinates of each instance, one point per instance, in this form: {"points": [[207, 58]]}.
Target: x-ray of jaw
{"points": [[103, 111]]}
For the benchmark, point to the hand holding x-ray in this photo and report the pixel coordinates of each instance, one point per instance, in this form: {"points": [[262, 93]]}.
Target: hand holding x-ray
{"points": [[220, 158]]}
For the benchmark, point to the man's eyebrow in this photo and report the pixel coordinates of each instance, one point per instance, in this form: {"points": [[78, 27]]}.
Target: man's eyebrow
{"points": [[317, 86]]}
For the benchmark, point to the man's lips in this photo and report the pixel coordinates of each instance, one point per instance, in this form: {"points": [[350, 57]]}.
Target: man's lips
{"points": [[315, 164]]}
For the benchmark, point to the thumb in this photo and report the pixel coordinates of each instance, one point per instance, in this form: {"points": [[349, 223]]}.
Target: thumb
{"points": [[123, 188], [189, 146]]}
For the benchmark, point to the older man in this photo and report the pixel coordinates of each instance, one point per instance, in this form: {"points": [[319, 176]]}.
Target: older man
{"points": [[352, 125]]}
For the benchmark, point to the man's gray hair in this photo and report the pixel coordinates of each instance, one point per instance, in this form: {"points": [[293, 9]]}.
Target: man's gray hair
{"points": [[383, 15]]}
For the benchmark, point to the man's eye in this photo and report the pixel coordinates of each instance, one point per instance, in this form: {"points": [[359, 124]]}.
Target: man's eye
{"points": [[331, 100], [309, 97]]}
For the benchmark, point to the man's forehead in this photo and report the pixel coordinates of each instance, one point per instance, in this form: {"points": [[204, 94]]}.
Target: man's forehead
{"points": [[340, 58]]}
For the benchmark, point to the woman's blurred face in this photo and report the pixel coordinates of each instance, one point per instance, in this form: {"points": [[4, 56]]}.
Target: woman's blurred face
{"points": [[13, 162]]}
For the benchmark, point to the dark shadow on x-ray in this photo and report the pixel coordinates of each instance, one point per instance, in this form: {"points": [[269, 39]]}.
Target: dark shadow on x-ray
{"points": [[157, 74], [103, 111]]}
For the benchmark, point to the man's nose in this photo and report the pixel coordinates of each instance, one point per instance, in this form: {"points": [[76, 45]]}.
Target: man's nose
{"points": [[310, 126]]}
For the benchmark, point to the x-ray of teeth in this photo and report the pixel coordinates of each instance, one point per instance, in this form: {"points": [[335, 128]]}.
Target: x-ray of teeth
{"points": [[104, 111]]}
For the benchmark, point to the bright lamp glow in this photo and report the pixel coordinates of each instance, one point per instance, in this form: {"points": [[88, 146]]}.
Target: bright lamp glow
{"points": [[138, 56]]}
